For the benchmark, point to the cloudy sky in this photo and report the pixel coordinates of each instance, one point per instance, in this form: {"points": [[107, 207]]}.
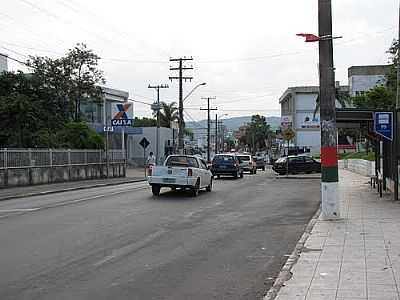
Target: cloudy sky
{"points": [[246, 51]]}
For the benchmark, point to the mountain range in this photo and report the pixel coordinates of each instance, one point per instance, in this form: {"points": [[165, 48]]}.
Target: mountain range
{"points": [[236, 122]]}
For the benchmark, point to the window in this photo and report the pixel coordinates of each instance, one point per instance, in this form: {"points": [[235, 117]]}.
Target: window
{"points": [[243, 158], [224, 158], [308, 159], [182, 161], [203, 164]]}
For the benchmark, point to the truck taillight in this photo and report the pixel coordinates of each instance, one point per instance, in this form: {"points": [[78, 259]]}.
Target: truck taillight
{"points": [[190, 172]]}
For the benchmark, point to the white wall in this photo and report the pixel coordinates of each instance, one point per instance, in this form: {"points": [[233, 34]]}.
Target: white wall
{"points": [[306, 101], [135, 150], [363, 83], [311, 139]]}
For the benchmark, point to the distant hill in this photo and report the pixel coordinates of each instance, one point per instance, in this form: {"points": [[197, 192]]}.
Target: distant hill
{"points": [[235, 123]]}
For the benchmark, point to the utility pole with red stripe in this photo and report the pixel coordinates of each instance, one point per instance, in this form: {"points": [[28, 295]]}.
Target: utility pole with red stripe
{"points": [[329, 162]]}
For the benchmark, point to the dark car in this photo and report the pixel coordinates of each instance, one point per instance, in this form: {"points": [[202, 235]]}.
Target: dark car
{"points": [[297, 164], [226, 164], [260, 162]]}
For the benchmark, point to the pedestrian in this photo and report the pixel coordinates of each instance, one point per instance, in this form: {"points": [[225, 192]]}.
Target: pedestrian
{"points": [[150, 162]]}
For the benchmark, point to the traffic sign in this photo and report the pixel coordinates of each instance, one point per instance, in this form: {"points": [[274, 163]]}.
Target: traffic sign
{"points": [[383, 124], [144, 143]]}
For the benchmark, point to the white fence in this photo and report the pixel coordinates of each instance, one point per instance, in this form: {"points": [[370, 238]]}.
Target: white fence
{"points": [[27, 158], [37, 166], [359, 166]]}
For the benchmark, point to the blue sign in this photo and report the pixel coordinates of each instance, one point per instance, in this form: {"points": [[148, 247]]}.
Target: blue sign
{"points": [[121, 122], [384, 124]]}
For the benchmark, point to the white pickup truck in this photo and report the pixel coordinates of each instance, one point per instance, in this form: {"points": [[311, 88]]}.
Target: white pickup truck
{"points": [[181, 172]]}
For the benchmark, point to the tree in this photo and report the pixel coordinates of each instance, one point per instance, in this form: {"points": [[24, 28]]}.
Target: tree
{"points": [[380, 97], [258, 133], [168, 114], [71, 79], [144, 122], [78, 135]]}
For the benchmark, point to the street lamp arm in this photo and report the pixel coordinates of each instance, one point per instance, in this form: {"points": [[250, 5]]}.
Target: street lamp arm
{"points": [[191, 92]]}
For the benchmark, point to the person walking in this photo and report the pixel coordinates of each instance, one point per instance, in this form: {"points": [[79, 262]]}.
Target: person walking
{"points": [[150, 162]]}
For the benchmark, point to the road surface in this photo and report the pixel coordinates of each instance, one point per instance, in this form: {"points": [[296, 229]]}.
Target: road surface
{"points": [[119, 242]]}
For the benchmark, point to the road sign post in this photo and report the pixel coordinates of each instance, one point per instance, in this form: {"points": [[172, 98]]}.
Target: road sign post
{"points": [[144, 143]]}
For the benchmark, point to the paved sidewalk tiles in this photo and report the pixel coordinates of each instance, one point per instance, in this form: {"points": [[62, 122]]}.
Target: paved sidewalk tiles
{"points": [[357, 257]]}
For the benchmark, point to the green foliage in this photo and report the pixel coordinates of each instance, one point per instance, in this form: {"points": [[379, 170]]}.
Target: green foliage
{"points": [[258, 133], [188, 132], [380, 97], [144, 122], [37, 109], [168, 114], [71, 79], [358, 155], [78, 135]]}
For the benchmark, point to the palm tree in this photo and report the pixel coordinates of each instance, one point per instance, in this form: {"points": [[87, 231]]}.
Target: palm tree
{"points": [[342, 97], [168, 114]]}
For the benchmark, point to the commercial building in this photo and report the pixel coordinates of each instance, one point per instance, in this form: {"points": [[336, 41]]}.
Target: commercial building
{"points": [[300, 110]]}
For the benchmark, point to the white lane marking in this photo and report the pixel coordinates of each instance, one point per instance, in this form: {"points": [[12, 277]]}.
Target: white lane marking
{"points": [[18, 210], [27, 210], [115, 253]]}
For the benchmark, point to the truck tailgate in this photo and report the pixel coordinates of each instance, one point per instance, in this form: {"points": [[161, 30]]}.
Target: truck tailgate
{"points": [[170, 171]]}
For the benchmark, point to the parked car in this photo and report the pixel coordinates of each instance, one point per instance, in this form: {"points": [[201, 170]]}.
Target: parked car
{"points": [[226, 164], [181, 172], [260, 162], [247, 163], [297, 164]]}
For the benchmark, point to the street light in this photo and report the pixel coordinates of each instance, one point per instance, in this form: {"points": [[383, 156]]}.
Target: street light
{"points": [[191, 92]]}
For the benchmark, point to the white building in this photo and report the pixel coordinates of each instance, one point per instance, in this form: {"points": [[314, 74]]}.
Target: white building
{"points": [[299, 109], [364, 78]]}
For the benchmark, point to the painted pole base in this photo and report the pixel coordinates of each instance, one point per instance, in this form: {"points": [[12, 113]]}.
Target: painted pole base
{"points": [[330, 201]]}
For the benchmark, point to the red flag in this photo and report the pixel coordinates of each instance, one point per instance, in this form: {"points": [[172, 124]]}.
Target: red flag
{"points": [[309, 37]]}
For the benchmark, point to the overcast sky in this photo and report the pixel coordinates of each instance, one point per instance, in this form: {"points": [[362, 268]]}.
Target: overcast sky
{"points": [[246, 51]]}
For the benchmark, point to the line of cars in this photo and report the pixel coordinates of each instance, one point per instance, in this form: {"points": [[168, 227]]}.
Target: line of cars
{"points": [[191, 172]]}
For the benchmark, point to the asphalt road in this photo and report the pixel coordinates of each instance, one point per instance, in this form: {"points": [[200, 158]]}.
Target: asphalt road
{"points": [[121, 243]]}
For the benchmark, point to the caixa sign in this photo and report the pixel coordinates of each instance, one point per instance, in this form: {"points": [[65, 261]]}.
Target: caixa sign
{"points": [[122, 114], [121, 122]]}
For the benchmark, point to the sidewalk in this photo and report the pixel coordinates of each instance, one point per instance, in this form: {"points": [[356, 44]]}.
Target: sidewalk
{"points": [[132, 175], [355, 258]]}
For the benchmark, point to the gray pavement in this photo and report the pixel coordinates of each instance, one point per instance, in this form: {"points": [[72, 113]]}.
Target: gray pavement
{"points": [[119, 242], [357, 257]]}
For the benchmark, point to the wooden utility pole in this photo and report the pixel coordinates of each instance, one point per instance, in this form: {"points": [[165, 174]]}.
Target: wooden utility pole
{"points": [[180, 78], [329, 163], [157, 110], [208, 125]]}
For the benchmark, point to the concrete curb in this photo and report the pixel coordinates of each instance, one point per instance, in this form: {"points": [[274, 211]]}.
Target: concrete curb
{"points": [[68, 189], [285, 274]]}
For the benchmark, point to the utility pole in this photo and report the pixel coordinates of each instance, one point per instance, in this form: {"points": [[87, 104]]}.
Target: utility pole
{"points": [[208, 109], [329, 163], [396, 127], [216, 133], [157, 110], [180, 78]]}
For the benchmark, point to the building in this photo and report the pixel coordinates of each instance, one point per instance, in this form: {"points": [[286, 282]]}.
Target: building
{"points": [[364, 78], [3, 63], [299, 110]]}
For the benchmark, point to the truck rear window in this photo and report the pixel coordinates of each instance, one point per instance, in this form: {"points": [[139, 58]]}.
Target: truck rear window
{"points": [[182, 161], [223, 158]]}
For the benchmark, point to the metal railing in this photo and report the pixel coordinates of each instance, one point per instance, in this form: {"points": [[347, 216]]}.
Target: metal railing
{"points": [[29, 158]]}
